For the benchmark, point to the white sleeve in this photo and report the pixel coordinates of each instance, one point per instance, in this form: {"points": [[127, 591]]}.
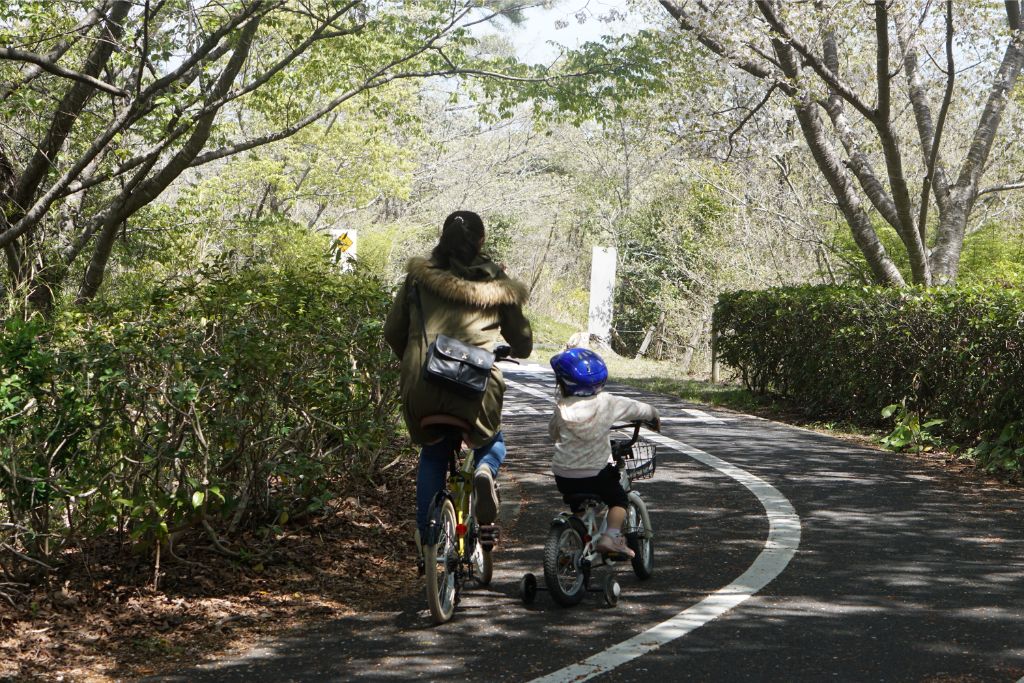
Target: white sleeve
{"points": [[626, 409]]}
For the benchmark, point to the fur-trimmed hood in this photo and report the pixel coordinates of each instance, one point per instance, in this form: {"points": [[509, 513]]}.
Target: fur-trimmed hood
{"points": [[493, 289]]}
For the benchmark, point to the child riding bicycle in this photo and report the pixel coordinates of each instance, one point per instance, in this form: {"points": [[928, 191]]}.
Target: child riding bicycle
{"points": [[582, 461]]}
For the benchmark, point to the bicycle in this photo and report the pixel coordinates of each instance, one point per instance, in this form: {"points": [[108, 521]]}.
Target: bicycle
{"points": [[457, 549], [569, 554]]}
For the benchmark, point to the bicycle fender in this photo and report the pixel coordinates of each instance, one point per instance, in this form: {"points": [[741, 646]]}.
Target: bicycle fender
{"points": [[564, 519], [561, 519], [434, 516], [635, 498]]}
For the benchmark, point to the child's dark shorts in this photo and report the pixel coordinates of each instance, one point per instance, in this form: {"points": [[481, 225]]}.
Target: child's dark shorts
{"points": [[605, 484]]}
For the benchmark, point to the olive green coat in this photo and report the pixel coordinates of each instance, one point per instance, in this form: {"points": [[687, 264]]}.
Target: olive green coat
{"points": [[476, 304]]}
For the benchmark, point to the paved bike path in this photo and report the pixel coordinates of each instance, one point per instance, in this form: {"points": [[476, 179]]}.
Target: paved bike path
{"points": [[903, 573]]}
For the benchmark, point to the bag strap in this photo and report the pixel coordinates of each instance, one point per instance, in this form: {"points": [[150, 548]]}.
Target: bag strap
{"points": [[423, 318]]}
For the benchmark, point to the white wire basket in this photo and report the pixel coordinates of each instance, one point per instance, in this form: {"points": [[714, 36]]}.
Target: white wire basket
{"points": [[641, 460]]}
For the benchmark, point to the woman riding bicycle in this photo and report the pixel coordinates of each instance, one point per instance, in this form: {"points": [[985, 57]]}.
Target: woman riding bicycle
{"points": [[461, 293]]}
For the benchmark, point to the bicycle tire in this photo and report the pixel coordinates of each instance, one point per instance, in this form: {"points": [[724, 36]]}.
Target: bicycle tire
{"points": [[565, 579], [483, 565], [639, 543], [441, 570]]}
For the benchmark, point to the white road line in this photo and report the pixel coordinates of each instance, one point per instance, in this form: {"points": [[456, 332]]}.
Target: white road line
{"points": [[700, 414], [779, 548], [695, 420]]}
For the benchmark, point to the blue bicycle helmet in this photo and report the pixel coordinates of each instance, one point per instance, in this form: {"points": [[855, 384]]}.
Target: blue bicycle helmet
{"points": [[581, 371]]}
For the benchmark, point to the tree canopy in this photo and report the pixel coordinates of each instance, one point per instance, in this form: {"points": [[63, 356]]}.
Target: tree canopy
{"points": [[886, 98]]}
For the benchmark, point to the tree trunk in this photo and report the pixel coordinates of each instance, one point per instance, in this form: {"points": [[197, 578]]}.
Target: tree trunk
{"points": [[882, 267], [953, 220]]}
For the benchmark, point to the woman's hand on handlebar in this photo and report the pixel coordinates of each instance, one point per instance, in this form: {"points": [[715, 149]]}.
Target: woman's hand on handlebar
{"points": [[654, 425], [503, 352]]}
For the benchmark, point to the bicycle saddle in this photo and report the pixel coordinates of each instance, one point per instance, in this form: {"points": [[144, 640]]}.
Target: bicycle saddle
{"points": [[580, 500], [443, 420], [441, 424]]}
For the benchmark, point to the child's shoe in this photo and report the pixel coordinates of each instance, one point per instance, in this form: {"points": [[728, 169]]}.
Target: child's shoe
{"points": [[613, 545], [486, 511]]}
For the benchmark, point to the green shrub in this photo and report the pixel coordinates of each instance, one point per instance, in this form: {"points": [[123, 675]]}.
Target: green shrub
{"points": [[223, 402], [955, 354]]}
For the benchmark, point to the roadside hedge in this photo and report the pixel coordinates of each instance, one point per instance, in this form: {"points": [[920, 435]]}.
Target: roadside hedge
{"points": [[955, 354], [221, 403]]}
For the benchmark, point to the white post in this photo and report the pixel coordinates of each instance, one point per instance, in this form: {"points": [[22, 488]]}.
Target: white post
{"points": [[602, 292], [343, 247]]}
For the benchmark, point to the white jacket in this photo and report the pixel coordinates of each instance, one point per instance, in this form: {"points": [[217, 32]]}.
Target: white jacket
{"points": [[580, 427]]}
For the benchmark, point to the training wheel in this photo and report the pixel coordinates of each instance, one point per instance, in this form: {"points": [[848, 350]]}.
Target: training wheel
{"points": [[611, 591], [528, 588]]}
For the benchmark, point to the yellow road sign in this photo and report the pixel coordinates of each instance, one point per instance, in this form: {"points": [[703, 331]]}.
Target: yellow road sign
{"points": [[343, 242]]}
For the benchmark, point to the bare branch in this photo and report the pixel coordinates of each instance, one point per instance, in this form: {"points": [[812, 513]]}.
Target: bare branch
{"points": [[991, 116], [68, 110], [15, 55], [1003, 188], [743, 122], [755, 69], [882, 60], [923, 118], [859, 163], [947, 97], [134, 197], [212, 48], [813, 61], [828, 162]]}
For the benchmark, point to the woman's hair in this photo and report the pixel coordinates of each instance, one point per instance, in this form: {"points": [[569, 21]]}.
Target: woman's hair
{"points": [[461, 237]]}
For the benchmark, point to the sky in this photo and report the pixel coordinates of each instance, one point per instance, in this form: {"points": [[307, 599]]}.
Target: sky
{"points": [[561, 24]]}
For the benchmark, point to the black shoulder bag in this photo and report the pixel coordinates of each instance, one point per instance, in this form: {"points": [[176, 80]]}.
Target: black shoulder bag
{"points": [[462, 368]]}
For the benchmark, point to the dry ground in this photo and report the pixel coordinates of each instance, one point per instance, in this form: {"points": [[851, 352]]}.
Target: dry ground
{"points": [[103, 621]]}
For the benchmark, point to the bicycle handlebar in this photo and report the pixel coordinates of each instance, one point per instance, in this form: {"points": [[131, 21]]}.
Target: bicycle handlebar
{"points": [[636, 425], [502, 353]]}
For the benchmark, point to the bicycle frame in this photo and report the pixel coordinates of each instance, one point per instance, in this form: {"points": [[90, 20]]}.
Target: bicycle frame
{"points": [[452, 531], [589, 519], [570, 552], [458, 489]]}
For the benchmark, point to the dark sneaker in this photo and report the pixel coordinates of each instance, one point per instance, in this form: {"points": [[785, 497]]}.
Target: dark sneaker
{"points": [[486, 497], [421, 566]]}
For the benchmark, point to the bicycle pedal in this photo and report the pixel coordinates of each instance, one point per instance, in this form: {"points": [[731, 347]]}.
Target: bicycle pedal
{"points": [[489, 535]]}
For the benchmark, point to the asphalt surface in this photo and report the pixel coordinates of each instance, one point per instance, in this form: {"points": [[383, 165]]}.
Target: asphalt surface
{"points": [[903, 573]]}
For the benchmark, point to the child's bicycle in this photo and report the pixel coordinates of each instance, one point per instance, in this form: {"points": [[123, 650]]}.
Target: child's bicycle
{"points": [[456, 549], [569, 554]]}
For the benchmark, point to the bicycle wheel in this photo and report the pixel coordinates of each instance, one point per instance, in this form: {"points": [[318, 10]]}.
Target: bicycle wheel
{"points": [[483, 565], [442, 561], [636, 539], [562, 572]]}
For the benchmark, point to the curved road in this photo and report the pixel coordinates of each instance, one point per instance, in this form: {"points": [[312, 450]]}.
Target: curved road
{"points": [[895, 571]]}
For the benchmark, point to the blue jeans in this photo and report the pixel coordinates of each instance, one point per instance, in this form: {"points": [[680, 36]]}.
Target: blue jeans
{"points": [[433, 470]]}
